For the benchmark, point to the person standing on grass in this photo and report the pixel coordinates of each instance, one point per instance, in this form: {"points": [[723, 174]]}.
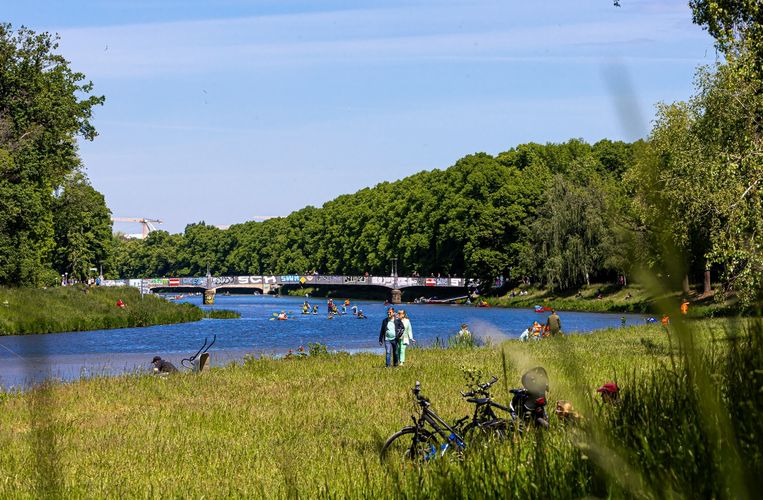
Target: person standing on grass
{"points": [[391, 331], [554, 324], [407, 337]]}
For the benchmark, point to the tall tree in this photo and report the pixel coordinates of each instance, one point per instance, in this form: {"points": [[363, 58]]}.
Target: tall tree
{"points": [[82, 227], [569, 240], [44, 107]]}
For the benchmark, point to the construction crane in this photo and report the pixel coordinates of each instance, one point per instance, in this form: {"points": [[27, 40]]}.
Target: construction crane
{"points": [[148, 224]]}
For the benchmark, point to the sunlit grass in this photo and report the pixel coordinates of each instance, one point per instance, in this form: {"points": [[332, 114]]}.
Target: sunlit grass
{"points": [[79, 308], [313, 426]]}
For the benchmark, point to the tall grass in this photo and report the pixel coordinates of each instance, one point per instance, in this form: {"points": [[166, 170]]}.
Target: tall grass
{"points": [[221, 314], [79, 308], [313, 426]]}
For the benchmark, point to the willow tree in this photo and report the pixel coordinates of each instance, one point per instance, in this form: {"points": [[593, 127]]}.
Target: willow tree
{"points": [[570, 240]]}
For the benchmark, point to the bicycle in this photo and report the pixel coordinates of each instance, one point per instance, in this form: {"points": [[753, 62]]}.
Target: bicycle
{"points": [[485, 422], [424, 435], [526, 408]]}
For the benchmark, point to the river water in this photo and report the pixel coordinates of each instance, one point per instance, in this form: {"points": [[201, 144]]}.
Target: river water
{"points": [[27, 359]]}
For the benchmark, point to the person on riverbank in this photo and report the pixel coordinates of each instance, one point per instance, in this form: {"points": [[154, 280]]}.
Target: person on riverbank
{"points": [[536, 331], [685, 307], [162, 366], [464, 331], [407, 336], [391, 331], [554, 324], [525, 336]]}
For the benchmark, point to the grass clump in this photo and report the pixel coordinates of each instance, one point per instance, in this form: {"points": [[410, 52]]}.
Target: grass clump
{"points": [[688, 424], [221, 314], [79, 308]]}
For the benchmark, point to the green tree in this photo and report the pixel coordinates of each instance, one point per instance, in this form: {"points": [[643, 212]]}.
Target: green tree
{"points": [[44, 107], [82, 227], [737, 27], [570, 239]]}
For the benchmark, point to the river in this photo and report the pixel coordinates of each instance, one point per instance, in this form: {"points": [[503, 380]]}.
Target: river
{"points": [[27, 359]]}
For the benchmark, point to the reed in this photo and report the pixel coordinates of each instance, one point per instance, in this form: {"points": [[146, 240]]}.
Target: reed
{"points": [[221, 314]]}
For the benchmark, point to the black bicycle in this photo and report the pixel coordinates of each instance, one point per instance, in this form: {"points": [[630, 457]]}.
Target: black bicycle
{"points": [[485, 423], [422, 441]]}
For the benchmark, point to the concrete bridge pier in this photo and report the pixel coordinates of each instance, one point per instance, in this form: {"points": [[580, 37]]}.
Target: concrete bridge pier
{"points": [[397, 296]]}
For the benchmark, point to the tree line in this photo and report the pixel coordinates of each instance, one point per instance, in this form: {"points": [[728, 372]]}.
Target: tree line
{"points": [[483, 217], [684, 204]]}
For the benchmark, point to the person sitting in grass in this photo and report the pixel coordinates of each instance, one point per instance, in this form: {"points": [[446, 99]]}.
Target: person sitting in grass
{"points": [[526, 334], [610, 393], [464, 331], [162, 366]]}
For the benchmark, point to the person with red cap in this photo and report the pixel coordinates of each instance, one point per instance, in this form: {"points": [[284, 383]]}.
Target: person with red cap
{"points": [[610, 393]]}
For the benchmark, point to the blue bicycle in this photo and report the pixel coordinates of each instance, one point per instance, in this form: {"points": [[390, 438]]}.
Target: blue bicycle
{"points": [[430, 437]]}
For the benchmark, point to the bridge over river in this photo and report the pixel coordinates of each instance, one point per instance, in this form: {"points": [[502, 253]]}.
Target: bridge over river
{"points": [[265, 284]]}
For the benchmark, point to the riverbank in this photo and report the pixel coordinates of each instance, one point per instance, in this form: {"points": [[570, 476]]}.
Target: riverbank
{"points": [[80, 308], [313, 426], [615, 299]]}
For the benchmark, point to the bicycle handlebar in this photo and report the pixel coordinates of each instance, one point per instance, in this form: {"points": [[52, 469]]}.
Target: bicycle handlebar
{"points": [[482, 388], [421, 400]]}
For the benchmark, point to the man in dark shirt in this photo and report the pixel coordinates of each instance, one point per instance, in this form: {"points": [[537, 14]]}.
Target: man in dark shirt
{"points": [[554, 323], [391, 330], [162, 366]]}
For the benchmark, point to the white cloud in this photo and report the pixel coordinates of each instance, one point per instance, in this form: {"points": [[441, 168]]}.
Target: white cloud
{"points": [[360, 37]]}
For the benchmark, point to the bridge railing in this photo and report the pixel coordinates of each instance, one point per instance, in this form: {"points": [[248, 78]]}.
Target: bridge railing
{"points": [[291, 279]]}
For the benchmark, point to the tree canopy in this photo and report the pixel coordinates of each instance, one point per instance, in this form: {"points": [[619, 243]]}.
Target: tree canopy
{"points": [[44, 108]]}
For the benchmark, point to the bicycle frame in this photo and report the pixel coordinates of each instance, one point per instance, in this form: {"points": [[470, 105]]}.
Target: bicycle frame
{"points": [[483, 411], [449, 434]]}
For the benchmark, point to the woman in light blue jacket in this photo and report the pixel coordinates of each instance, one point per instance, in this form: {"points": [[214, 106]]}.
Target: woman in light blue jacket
{"points": [[407, 337]]}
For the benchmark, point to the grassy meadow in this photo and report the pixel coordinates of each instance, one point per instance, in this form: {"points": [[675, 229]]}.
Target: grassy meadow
{"points": [[80, 308], [690, 424]]}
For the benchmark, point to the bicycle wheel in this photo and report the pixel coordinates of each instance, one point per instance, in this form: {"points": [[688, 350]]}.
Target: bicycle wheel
{"points": [[411, 444], [481, 433]]}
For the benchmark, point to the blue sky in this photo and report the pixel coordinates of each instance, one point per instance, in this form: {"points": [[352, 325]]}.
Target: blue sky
{"points": [[224, 110]]}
